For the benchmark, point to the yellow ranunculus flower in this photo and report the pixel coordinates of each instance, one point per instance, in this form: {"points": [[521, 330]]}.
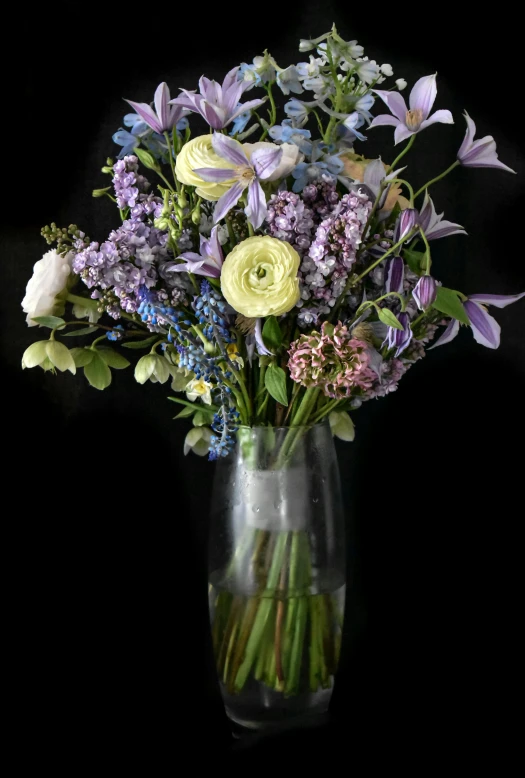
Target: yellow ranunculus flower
{"points": [[259, 277], [198, 152]]}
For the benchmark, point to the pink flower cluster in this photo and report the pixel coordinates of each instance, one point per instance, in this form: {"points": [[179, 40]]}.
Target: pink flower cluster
{"points": [[331, 360]]}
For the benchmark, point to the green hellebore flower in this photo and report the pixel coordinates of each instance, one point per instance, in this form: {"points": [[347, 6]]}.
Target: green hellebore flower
{"points": [[342, 425], [198, 441], [152, 367]]}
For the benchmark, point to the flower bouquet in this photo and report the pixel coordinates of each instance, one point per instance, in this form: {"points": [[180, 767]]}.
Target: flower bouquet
{"points": [[275, 280]]}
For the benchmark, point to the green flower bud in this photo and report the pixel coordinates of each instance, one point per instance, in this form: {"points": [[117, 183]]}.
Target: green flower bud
{"points": [[161, 223], [100, 192], [147, 159], [182, 200], [108, 170], [109, 161]]}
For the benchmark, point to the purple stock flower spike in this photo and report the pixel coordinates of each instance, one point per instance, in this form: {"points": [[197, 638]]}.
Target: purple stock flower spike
{"points": [[433, 224], [409, 121], [164, 117], [479, 153], [425, 292], [218, 104], [394, 275], [399, 339], [208, 262]]}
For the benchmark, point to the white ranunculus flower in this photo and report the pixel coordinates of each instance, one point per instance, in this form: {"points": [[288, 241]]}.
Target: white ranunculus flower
{"points": [[290, 158], [50, 275]]}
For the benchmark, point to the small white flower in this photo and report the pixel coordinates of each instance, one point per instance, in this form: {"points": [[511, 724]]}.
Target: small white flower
{"points": [[401, 84], [198, 441], [198, 387], [50, 275], [386, 70]]}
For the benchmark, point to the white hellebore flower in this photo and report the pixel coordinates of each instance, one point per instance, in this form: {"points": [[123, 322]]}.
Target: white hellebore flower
{"points": [[198, 387], [49, 354], [198, 441], [342, 425], [50, 275], [152, 367]]}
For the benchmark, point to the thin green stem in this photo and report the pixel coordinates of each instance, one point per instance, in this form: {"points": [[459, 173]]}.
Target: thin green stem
{"points": [[172, 161], [402, 154], [373, 265], [437, 178], [427, 251]]}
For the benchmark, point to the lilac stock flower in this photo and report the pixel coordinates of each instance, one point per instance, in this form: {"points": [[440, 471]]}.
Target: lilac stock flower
{"points": [[425, 292], [479, 153], [207, 262], [247, 172], [165, 116], [410, 121], [485, 328], [399, 339], [394, 274], [433, 224], [217, 104], [405, 224]]}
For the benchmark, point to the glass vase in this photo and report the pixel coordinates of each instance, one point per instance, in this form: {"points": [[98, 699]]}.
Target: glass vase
{"points": [[277, 573]]}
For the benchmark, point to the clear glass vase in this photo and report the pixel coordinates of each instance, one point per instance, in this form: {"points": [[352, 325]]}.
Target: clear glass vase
{"points": [[277, 573]]}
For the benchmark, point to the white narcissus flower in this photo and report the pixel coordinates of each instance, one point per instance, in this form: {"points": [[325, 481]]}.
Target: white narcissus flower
{"points": [[342, 425], [198, 441], [291, 156], [50, 275], [199, 388]]}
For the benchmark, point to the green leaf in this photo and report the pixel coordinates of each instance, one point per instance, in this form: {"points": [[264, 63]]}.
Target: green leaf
{"points": [[387, 317], [275, 382], [49, 321], [271, 333], [113, 358], [415, 260], [97, 372], [185, 413], [447, 301], [81, 331], [147, 159], [141, 343], [82, 356]]}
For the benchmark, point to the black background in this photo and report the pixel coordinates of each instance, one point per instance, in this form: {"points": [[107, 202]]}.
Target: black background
{"points": [[106, 521]]}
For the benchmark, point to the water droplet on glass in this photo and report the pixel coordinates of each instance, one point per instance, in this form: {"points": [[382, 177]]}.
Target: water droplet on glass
{"points": [[315, 499], [257, 509]]}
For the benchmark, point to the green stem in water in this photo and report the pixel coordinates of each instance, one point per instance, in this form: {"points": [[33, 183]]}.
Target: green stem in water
{"points": [[437, 178]]}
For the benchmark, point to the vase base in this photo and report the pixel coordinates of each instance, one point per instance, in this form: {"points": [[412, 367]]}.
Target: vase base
{"points": [[267, 709]]}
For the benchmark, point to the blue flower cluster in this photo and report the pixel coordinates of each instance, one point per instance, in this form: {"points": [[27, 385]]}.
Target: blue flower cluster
{"points": [[211, 309], [225, 424]]}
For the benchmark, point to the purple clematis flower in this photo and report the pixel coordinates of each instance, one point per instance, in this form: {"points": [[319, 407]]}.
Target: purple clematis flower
{"points": [[208, 262], [405, 224], [479, 153], [399, 339], [394, 274], [425, 292], [433, 224], [218, 104], [164, 117], [485, 328], [409, 121], [247, 174]]}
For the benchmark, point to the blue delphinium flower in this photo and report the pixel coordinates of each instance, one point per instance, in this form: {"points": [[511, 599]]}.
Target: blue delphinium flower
{"points": [[116, 333], [321, 164], [288, 81], [240, 123], [286, 133]]}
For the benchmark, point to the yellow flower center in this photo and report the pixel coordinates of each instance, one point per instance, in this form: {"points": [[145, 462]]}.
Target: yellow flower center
{"points": [[262, 275], [200, 387], [246, 175], [413, 119]]}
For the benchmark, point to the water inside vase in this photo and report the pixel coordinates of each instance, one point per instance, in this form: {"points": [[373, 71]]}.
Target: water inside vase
{"points": [[276, 651]]}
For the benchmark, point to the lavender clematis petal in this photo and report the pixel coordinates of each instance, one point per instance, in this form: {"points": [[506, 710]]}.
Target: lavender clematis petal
{"points": [[192, 256], [230, 79], [384, 119], [256, 209], [229, 149], [265, 162], [162, 95], [402, 133], [423, 95], [448, 335], [395, 102], [479, 153], [444, 117], [227, 201], [443, 229], [485, 328], [247, 106], [374, 175], [261, 348], [394, 275], [499, 300], [147, 114], [433, 224], [469, 136], [215, 173]]}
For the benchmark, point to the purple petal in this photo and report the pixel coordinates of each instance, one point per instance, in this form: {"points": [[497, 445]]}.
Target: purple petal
{"points": [[191, 256], [469, 135], [261, 348], [230, 79], [215, 173], [227, 201], [374, 174], [395, 102], [256, 209], [443, 229], [394, 275], [213, 114], [384, 119], [229, 149], [265, 161], [147, 114], [499, 300], [449, 334], [246, 107], [162, 96], [444, 117], [402, 133], [186, 99], [214, 247], [485, 328], [423, 95]]}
